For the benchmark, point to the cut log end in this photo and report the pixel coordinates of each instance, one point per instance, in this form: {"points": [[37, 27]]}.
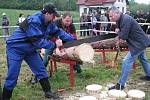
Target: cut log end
{"points": [[117, 94], [136, 94], [88, 98]]}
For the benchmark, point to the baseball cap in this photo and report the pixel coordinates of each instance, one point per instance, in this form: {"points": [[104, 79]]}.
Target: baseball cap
{"points": [[50, 8]]}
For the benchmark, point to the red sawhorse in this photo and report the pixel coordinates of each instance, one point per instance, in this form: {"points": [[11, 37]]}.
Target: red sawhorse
{"points": [[53, 67], [104, 51]]}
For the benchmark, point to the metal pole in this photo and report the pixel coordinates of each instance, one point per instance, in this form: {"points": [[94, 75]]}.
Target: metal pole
{"points": [[69, 5]]}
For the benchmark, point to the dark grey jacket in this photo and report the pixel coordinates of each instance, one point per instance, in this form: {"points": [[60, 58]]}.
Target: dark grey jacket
{"points": [[132, 32]]}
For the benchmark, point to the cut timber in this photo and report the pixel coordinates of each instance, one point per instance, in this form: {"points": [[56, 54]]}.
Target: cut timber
{"points": [[117, 94], [83, 52], [93, 89], [88, 98], [108, 44], [136, 94]]}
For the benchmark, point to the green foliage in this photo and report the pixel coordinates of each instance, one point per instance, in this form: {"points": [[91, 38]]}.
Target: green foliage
{"points": [[133, 6], [37, 4]]}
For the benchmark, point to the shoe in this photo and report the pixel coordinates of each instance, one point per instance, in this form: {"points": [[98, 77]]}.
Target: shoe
{"points": [[77, 68], [7, 94], [145, 78], [51, 95], [117, 87], [34, 80]]}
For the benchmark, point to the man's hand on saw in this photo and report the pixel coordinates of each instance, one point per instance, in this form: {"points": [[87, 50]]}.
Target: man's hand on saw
{"points": [[59, 43], [119, 41]]}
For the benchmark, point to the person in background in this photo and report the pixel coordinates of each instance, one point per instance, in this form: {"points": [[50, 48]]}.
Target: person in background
{"points": [[104, 19], [32, 34], [21, 18], [5, 24], [93, 22], [129, 30], [65, 23], [83, 25]]}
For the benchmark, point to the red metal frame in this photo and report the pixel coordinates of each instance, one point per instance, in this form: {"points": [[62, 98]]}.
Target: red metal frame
{"points": [[103, 51], [53, 66]]}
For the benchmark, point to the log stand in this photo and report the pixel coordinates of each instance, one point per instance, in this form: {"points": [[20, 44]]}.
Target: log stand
{"points": [[53, 67]]}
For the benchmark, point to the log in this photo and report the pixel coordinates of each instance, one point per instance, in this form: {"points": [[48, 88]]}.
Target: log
{"points": [[108, 44], [83, 52]]}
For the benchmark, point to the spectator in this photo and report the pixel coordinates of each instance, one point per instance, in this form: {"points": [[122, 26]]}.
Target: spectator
{"points": [[21, 18], [83, 24], [104, 19], [5, 24], [94, 21]]}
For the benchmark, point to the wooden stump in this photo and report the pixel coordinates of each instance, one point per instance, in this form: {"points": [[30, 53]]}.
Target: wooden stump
{"points": [[93, 89], [88, 98], [117, 94], [136, 95]]}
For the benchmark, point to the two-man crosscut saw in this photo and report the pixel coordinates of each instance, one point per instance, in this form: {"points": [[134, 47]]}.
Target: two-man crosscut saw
{"points": [[89, 40]]}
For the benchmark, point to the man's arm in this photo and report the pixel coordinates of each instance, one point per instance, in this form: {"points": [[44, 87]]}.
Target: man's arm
{"points": [[33, 32], [58, 32], [125, 27]]}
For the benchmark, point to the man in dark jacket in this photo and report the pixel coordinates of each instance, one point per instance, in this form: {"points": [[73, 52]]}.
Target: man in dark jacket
{"points": [[66, 24], [130, 31], [32, 34]]}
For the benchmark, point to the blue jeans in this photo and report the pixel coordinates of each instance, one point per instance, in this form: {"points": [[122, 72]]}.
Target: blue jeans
{"points": [[15, 56], [128, 63]]}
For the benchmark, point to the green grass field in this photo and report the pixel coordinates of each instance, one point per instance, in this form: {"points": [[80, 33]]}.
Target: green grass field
{"points": [[97, 73]]}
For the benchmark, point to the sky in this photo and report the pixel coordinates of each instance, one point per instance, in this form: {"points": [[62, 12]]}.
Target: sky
{"points": [[143, 1]]}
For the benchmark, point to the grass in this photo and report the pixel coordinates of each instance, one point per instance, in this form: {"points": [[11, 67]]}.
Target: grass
{"points": [[98, 74]]}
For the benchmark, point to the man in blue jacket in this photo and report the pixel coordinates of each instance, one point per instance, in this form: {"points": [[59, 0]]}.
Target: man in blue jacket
{"points": [[34, 33], [130, 31]]}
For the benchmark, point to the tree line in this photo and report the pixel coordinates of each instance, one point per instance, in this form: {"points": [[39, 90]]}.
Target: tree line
{"points": [[37, 4], [60, 4]]}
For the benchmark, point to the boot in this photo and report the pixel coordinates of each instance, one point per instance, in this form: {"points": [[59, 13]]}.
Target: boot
{"points": [[117, 87], [145, 78], [6, 95], [47, 89], [33, 79], [77, 68]]}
